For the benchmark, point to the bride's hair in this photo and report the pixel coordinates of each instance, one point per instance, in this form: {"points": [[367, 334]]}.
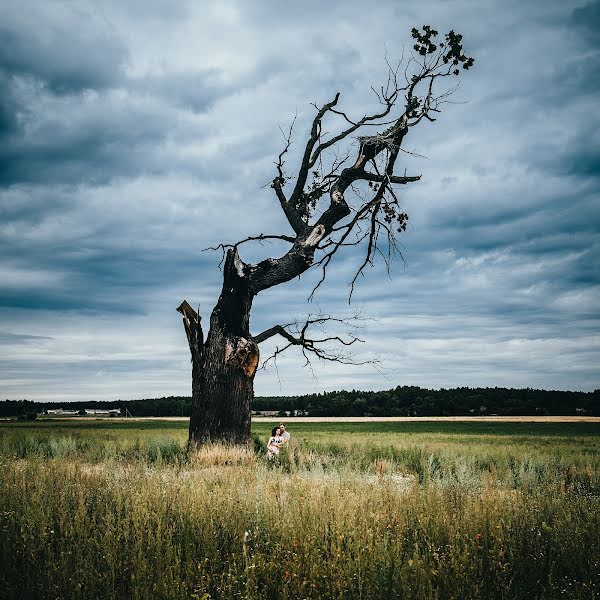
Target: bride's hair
{"points": [[274, 432]]}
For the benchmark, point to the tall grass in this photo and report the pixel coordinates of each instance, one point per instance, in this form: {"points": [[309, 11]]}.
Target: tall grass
{"points": [[133, 515]]}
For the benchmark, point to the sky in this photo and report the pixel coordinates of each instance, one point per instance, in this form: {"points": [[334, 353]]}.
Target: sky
{"points": [[133, 135]]}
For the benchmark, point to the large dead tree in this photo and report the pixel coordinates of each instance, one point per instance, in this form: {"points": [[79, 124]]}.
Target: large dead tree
{"points": [[335, 200]]}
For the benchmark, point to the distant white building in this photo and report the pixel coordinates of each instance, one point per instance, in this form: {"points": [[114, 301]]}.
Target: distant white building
{"points": [[103, 411], [88, 411]]}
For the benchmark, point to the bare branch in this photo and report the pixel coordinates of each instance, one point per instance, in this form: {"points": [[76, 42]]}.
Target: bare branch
{"points": [[305, 166], [253, 238], [275, 330], [278, 182], [370, 248], [316, 346], [350, 130]]}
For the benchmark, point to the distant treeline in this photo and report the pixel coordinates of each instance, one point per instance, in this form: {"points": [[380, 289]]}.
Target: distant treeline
{"points": [[401, 401]]}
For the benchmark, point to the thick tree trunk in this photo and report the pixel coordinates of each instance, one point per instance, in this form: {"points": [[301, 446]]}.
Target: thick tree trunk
{"points": [[223, 388], [223, 367]]}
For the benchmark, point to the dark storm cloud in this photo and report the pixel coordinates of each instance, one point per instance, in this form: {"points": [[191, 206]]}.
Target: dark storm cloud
{"points": [[108, 366], [545, 229], [70, 113], [581, 157], [69, 52], [93, 137], [586, 20], [90, 149], [8, 107], [6, 336], [193, 91], [89, 274], [44, 68]]}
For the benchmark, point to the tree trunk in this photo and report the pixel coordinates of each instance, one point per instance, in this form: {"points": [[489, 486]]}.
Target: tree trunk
{"points": [[223, 367]]}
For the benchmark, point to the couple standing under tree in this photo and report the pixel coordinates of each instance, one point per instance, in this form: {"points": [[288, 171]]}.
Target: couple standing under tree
{"points": [[279, 439]]}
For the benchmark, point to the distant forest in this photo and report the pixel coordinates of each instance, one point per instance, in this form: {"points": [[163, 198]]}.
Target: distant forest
{"points": [[400, 401]]}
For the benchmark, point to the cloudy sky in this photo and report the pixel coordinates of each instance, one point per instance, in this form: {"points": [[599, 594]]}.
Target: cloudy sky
{"points": [[135, 134]]}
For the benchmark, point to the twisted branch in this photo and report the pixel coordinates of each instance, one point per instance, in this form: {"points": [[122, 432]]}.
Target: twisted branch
{"points": [[299, 335]]}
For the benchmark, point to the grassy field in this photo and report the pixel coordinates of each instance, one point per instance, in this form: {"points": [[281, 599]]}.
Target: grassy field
{"points": [[117, 509]]}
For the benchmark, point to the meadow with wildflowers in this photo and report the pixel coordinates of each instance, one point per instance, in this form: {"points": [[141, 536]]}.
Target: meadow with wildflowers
{"points": [[115, 509]]}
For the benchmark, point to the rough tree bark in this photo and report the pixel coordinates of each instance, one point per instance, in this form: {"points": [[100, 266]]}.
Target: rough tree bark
{"points": [[224, 365]]}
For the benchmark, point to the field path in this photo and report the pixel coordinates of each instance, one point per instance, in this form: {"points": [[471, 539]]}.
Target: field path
{"points": [[463, 419]]}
